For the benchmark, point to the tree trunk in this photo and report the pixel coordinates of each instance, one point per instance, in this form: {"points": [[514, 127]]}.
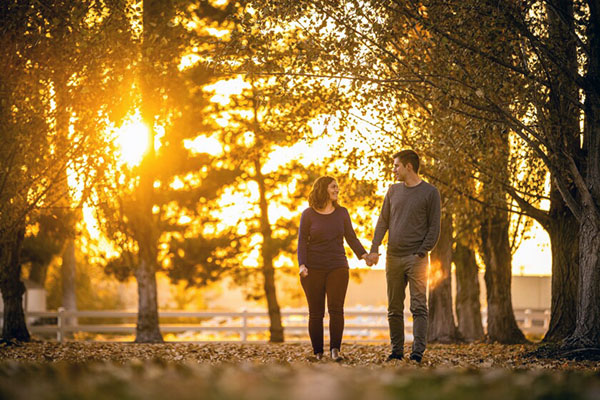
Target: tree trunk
{"points": [[561, 225], [69, 299], [156, 16], [38, 273], [63, 122], [13, 289], [501, 324], [276, 327], [147, 328], [468, 307], [563, 229], [441, 327], [587, 327]]}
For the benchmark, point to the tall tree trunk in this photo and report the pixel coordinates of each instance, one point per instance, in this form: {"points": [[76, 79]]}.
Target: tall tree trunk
{"points": [[501, 324], [68, 270], [563, 229], [267, 250], [468, 307], [562, 225], [63, 121], [587, 326], [276, 327], [12, 287], [495, 246], [441, 327], [147, 328], [156, 16]]}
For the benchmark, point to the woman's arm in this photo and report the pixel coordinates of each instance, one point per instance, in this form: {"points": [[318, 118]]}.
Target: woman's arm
{"points": [[303, 232]]}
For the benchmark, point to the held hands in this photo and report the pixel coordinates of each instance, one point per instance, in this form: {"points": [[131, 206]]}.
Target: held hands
{"points": [[303, 271], [371, 259]]}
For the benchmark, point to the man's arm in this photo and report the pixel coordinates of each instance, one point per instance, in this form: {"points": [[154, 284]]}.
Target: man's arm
{"points": [[382, 224], [434, 214]]}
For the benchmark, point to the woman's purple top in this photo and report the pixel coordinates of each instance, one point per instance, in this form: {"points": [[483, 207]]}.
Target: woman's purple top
{"points": [[321, 239]]}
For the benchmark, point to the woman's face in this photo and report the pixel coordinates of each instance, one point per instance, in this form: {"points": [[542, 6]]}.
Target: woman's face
{"points": [[333, 189]]}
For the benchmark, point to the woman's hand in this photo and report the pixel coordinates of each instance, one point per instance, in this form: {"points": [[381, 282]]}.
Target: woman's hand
{"points": [[371, 259], [303, 271]]}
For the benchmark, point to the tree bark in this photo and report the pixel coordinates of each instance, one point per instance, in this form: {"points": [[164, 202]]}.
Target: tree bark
{"points": [[14, 325], [147, 328], [501, 324], [156, 16], [562, 226], [441, 327], [275, 327], [587, 326], [563, 230], [68, 270], [468, 307]]}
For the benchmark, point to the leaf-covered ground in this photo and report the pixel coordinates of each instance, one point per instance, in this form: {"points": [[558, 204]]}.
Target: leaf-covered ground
{"points": [[81, 370]]}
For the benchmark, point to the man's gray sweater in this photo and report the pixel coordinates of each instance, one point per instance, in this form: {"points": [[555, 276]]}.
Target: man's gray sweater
{"points": [[412, 216]]}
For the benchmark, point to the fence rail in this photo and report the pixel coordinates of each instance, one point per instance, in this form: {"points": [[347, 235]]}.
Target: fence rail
{"points": [[359, 323]]}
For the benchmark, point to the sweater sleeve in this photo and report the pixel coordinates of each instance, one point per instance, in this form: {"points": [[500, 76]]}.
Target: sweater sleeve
{"points": [[351, 238], [434, 214], [303, 233], [382, 223]]}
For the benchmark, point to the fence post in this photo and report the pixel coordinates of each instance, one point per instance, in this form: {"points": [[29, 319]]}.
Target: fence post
{"points": [[527, 318], [60, 323], [546, 319], [244, 325]]}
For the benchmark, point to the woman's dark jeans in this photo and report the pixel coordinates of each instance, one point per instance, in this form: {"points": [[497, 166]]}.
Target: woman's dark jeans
{"points": [[321, 283]]}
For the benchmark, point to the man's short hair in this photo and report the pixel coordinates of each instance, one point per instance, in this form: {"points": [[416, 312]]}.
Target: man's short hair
{"points": [[408, 157]]}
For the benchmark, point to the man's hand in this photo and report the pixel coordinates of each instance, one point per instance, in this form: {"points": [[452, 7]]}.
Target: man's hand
{"points": [[372, 259], [303, 271]]}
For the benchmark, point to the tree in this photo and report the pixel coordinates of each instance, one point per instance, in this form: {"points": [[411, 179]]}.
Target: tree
{"points": [[269, 116], [40, 248], [37, 151], [441, 326], [539, 63], [514, 45], [468, 307], [145, 206]]}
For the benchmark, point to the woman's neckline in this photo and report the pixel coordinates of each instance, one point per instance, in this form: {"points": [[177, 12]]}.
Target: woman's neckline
{"points": [[321, 213]]}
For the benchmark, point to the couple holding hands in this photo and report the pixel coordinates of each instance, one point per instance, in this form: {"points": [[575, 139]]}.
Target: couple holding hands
{"points": [[411, 214]]}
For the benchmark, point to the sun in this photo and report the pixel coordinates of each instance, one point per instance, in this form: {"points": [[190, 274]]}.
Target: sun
{"points": [[132, 140]]}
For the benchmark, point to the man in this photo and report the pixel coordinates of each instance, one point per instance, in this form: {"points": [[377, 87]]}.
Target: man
{"points": [[411, 213]]}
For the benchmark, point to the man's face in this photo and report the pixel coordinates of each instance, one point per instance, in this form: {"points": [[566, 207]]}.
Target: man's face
{"points": [[399, 170]]}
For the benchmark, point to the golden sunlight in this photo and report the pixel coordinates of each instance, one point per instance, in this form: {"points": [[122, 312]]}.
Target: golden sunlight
{"points": [[436, 275], [204, 144], [224, 89], [132, 139]]}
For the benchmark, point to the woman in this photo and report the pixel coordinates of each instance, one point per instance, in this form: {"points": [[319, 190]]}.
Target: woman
{"points": [[323, 263]]}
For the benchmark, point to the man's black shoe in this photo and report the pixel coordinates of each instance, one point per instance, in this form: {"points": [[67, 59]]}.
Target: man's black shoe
{"points": [[416, 357], [395, 356]]}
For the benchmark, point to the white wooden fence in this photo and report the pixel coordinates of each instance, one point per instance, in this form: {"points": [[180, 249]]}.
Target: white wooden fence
{"points": [[359, 323]]}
